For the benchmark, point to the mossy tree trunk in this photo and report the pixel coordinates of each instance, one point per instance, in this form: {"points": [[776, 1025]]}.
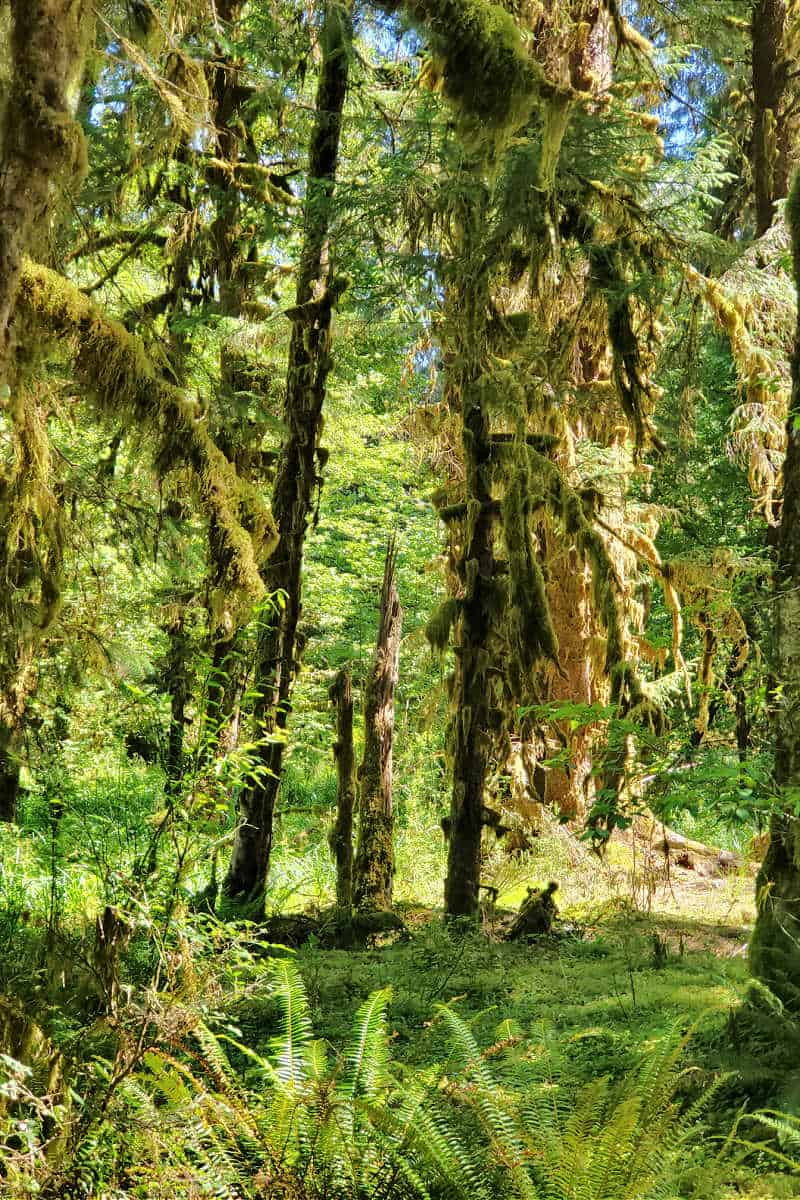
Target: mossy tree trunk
{"points": [[775, 946], [341, 836], [469, 738], [373, 871], [41, 147], [9, 775], [298, 472], [772, 127], [40, 143]]}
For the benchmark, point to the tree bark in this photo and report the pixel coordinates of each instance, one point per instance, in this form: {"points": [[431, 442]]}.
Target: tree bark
{"points": [[39, 141], [374, 867], [775, 946], [341, 836], [470, 740], [297, 476], [771, 143], [9, 775], [41, 145]]}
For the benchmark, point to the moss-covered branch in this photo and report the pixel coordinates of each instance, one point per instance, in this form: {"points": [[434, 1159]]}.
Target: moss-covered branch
{"points": [[487, 70], [120, 380]]}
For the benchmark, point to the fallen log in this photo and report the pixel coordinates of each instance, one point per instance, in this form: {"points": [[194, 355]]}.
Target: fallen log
{"points": [[674, 845], [334, 929]]}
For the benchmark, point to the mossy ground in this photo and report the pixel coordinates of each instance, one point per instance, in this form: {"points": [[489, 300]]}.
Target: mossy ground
{"points": [[637, 955]]}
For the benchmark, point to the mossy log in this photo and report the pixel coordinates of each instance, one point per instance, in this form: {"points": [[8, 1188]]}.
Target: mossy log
{"points": [[334, 929]]}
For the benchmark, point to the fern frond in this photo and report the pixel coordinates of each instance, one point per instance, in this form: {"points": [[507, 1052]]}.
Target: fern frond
{"points": [[291, 1048], [367, 1056]]}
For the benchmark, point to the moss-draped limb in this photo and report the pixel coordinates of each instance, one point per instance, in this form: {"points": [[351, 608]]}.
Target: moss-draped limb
{"points": [[530, 617], [642, 546], [567, 507], [607, 274], [122, 382], [488, 72]]}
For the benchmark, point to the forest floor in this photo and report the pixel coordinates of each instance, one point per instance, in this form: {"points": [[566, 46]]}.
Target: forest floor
{"points": [[643, 949], [638, 955], [639, 946]]}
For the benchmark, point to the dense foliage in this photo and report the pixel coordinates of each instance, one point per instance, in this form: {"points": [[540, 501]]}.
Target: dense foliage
{"points": [[399, 509]]}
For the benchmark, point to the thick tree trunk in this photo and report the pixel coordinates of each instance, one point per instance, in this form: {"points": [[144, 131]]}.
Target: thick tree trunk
{"points": [[341, 836], [41, 146], [470, 740], [9, 775], [771, 144], [775, 946], [373, 871], [297, 476], [39, 141]]}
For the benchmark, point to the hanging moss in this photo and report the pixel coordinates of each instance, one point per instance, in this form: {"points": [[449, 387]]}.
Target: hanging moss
{"points": [[634, 389], [566, 505], [119, 378], [441, 622], [487, 71], [529, 610]]}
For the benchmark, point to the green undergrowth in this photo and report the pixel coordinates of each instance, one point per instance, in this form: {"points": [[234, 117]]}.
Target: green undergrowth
{"points": [[590, 1000], [636, 957]]}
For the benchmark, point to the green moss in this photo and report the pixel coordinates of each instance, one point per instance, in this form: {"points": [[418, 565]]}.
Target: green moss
{"points": [[119, 378], [488, 73], [442, 620], [530, 613]]}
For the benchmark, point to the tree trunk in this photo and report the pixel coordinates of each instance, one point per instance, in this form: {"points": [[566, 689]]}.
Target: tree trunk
{"points": [[373, 871], [775, 946], [470, 740], [178, 685], [39, 141], [297, 476], [771, 144], [9, 775], [341, 836], [41, 146]]}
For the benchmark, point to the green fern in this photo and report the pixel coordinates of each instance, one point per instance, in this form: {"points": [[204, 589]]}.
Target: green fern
{"points": [[323, 1127], [292, 1046], [623, 1142]]}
